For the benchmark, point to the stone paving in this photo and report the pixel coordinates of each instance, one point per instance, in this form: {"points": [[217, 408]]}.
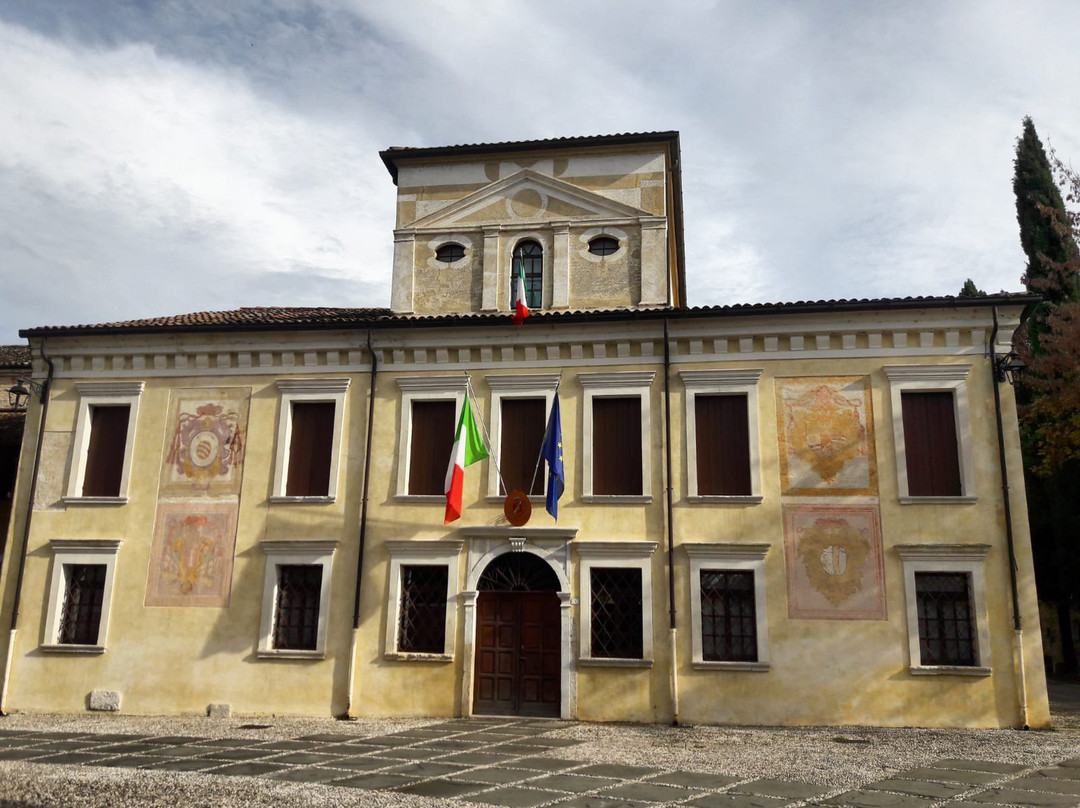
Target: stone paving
{"points": [[512, 763]]}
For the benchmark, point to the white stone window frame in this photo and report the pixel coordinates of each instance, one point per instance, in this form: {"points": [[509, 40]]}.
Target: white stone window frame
{"points": [[308, 391], [741, 558], [547, 267], [78, 551], [741, 382], [101, 394], [423, 388], [623, 555], [933, 379], [964, 558], [450, 238], [441, 553], [284, 553], [627, 384], [620, 236], [510, 386]]}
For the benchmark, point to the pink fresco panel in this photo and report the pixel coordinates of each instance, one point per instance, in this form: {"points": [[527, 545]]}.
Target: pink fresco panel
{"points": [[835, 569], [825, 429], [191, 561]]}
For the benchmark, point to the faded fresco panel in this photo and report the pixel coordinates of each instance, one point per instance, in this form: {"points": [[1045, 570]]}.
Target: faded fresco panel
{"points": [[835, 569], [55, 448], [205, 436], [826, 435], [191, 560]]}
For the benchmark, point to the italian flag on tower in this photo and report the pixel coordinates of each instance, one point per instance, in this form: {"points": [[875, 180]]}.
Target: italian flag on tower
{"points": [[521, 308], [468, 448]]}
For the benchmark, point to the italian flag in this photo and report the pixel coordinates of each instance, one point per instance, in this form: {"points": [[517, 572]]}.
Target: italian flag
{"points": [[521, 309], [468, 448]]}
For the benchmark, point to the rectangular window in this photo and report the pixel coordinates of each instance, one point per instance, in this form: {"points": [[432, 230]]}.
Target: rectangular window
{"points": [[616, 450], [310, 449], [933, 468], [84, 594], [422, 620], [296, 598], [723, 445], [523, 424], [105, 450], [431, 442], [946, 621], [728, 619], [296, 612], [616, 613]]}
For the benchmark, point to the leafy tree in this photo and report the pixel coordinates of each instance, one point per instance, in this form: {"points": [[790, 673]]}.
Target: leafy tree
{"points": [[969, 289], [1046, 232], [1050, 395]]}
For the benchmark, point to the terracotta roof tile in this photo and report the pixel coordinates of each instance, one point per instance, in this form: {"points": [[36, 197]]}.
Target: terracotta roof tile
{"points": [[14, 356]]}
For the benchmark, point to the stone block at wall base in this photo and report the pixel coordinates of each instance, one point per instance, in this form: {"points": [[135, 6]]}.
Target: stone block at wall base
{"points": [[219, 710], [105, 701]]}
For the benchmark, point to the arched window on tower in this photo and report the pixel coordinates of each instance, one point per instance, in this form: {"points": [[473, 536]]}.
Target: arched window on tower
{"points": [[530, 257]]}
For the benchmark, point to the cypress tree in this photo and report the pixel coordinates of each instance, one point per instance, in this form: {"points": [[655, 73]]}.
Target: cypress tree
{"points": [[1045, 234]]}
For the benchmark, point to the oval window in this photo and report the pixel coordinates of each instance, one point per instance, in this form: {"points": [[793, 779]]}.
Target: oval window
{"points": [[603, 245], [449, 253]]}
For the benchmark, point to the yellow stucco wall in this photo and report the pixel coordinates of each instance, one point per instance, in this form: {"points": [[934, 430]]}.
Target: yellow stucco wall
{"points": [[180, 659]]}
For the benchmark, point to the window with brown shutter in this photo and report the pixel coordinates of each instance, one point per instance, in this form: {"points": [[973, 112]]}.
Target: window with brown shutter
{"points": [[616, 460], [523, 425], [933, 466], [431, 442], [723, 445], [105, 450], [310, 449]]}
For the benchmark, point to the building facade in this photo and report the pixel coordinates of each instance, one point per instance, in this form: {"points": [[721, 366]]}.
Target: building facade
{"points": [[773, 514]]}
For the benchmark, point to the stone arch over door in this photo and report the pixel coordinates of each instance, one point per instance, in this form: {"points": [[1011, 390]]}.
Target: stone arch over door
{"points": [[548, 560]]}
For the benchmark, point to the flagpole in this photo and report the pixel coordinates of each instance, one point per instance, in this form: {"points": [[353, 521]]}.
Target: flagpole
{"points": [[483, 426], [540, 456]]}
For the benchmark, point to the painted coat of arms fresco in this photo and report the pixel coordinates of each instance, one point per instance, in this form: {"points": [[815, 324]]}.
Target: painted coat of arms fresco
{"points": [[204, 454], [826, 435], [834, 561], [191, 560]]}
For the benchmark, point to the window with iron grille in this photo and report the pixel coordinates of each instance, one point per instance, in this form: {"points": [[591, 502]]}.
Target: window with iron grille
{"points": [[449, 253], [530, 257], [616, 613], [728, 619], [946, 620], [296, 612], [84, 593], [422, 620], [603, 245]]}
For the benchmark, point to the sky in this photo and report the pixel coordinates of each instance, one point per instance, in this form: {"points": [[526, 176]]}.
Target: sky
{"points": [[193, 155]]}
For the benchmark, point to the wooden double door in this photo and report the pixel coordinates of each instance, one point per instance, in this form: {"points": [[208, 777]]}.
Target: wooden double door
{"points": [[518, 655]]}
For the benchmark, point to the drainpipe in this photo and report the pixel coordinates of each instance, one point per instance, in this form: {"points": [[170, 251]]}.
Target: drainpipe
{"points": [[670, 533], [363, 532], [45, 388], [1018, 629]]}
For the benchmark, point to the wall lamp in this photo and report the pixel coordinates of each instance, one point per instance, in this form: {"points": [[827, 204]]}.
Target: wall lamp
{"points": [[1008, 367], [19, 393]]}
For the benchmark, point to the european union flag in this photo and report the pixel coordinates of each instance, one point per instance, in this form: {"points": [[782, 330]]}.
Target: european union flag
{"points": [[551, 451]]}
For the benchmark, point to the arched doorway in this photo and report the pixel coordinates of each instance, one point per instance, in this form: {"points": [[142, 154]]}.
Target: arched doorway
{"points": [[518, 667]]}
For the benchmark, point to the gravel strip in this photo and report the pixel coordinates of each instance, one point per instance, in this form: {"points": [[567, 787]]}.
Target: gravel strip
{"points": [[836, 758]]}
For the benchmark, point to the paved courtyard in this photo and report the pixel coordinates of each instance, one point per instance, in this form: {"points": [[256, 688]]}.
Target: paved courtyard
{"points": [[516, 763]]}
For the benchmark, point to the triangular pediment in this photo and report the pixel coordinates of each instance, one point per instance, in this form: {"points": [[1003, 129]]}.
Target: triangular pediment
{"points": [[527, 196]]}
